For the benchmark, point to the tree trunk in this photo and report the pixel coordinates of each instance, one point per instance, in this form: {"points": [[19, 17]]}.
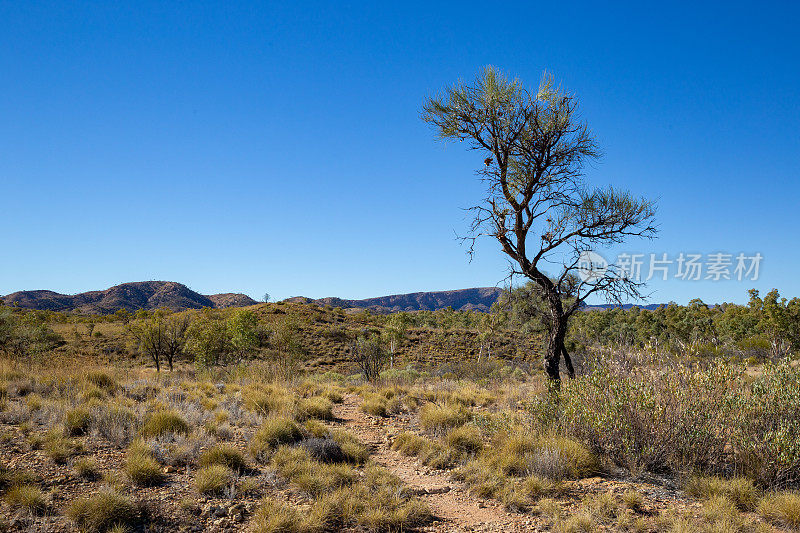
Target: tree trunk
{"points": [[555, 347]]}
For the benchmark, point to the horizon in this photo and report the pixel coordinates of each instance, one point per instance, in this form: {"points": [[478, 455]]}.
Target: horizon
{"points": [[279, 149]]}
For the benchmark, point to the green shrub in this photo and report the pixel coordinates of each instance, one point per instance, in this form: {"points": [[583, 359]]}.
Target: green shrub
{"points": [[163, 422], [103, 511]]}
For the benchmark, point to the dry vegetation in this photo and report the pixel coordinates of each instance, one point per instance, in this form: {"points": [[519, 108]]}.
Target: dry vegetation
{"points": [[106, 444]]}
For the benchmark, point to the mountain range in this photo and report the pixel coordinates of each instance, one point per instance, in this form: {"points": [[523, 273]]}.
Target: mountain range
{"points": [[130, 296], [176, 296]]}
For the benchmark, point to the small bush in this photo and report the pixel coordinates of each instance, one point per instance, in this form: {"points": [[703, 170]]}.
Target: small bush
{"points": [[465, 440], [87, 468], [224, 455], [141, 468], [354, 450], [28, 498], [77, 421], [376, 406], [273, 516], [317, 407], [781, 508], [740, 491], [213, 479], [164, 422], [103, 511], [440, 419], [274, 432]]}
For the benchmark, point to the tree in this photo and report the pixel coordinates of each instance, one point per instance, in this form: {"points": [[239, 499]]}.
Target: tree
{"points": [[175, 335], [369, 355], [266, 297], [394, 332], [243, 336], [537, 205], [149, 333]]}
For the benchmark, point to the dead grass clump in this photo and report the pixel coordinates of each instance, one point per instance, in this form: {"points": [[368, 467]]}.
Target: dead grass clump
{"points": [[140, 466], [60, 448], [439, 419], [115, 423], [376, 405], [224, 455], [214, 479], [296, 465], [781, 508], [102, 380], [103, 511], [163, 422], [26, 497]]}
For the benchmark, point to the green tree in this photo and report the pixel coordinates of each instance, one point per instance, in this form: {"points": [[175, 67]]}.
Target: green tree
{"points": [[537, 206], [242, 333], [394, 332]]}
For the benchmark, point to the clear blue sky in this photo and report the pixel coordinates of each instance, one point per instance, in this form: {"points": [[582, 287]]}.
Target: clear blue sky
{"points": [[278, 147]]}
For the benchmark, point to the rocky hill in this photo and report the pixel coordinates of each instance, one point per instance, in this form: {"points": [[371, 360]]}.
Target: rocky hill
{"points": [[477, 299], [130, 296]]}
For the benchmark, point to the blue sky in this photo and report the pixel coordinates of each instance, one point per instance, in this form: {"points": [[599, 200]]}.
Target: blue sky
{"points": [[278, 147]]}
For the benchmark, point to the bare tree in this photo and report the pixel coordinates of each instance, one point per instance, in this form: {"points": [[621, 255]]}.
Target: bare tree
{"points": [[538, 206], [369, 355]]}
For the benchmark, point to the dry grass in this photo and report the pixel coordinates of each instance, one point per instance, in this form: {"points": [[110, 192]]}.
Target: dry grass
{"points": [[103, 511], [781, 508], [227, 456], [86, 467], [439, 419], [28, 498], [274, 432], [164, 422], [140, 466], [214, 479]]}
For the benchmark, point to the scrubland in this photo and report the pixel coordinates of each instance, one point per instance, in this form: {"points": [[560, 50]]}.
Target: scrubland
{"points": [[641, 440]]}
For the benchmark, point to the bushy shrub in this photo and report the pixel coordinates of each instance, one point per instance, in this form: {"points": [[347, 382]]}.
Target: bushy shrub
{"points": [[163, 422], [103, 511]]}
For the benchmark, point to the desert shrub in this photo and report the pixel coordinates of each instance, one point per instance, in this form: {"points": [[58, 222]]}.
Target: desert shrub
{"points": [[369, 355], [224, 455], [465, 440], [102, 380], [656, 421], [439, 419], [118, 425], [87, 468], [781, 508], [430, 452], [354, 450], [59, 448], [740, 491], [296, 465], [375, 405], [29, 498], [317, 407], [214, 479], [409, 443], [103, 511], [273, 516], [765, 424], [163, 422], [140, 466], [274, 432], [77, 421], [324, 450]]}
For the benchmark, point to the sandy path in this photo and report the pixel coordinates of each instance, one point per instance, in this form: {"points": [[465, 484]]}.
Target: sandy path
{"points": [[454, 508]]}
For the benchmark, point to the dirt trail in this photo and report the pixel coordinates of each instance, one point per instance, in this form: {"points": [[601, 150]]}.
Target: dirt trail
{"points": [[454, 508]]}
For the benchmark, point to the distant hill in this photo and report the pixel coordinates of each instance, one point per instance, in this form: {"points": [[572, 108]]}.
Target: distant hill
{"points": [[478, 299], [130, 296]]}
